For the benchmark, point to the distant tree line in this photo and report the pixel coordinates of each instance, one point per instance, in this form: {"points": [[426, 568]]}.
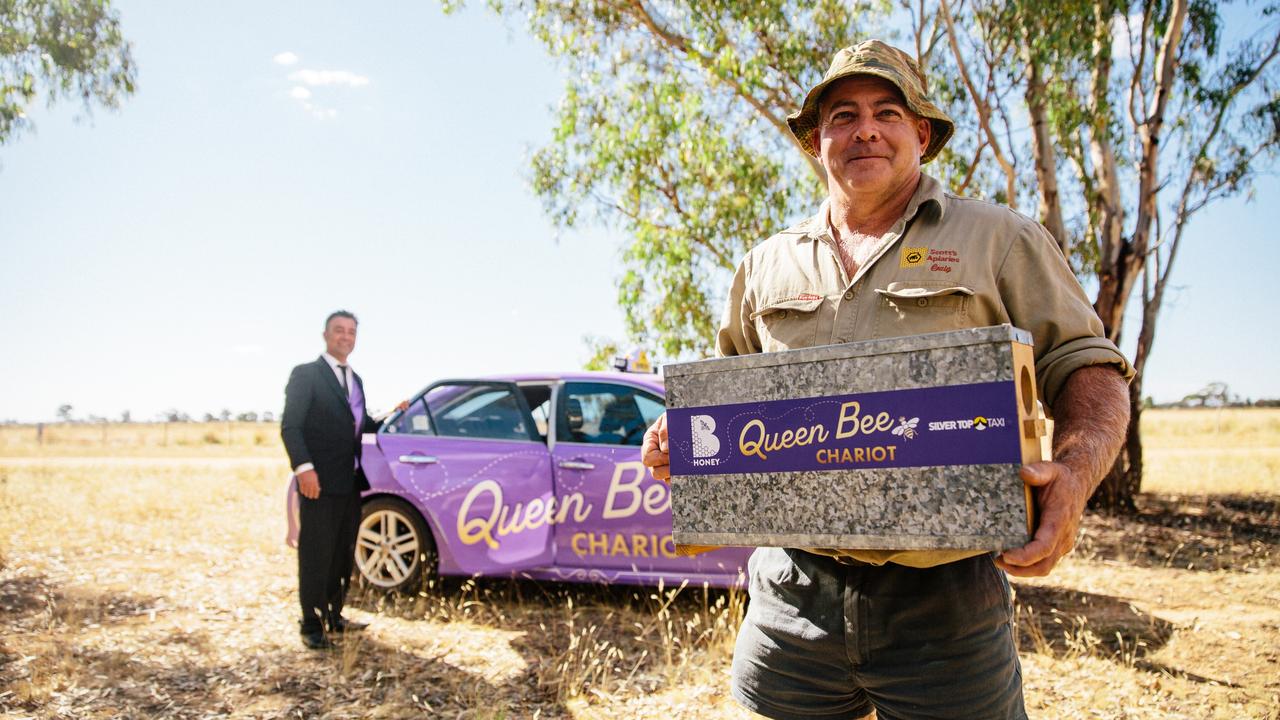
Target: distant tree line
{"points": [[1214, 395], [66, 414]]}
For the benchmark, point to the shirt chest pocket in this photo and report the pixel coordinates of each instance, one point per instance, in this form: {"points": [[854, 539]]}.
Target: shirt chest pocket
{"points": [[907, 308], [788, 323]]}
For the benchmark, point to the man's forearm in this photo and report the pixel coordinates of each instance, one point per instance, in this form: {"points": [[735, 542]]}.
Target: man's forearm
{"points": [[1090, 420]]}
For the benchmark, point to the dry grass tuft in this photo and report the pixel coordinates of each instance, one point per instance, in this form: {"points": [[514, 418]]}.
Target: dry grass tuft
{"points": [[143, 578]]}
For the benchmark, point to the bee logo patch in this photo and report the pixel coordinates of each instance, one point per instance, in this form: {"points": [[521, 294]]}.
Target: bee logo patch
{"points": [[913, 257]]}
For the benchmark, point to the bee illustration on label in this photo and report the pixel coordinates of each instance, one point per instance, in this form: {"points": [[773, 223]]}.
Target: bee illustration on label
{"points": [[906, 428]]}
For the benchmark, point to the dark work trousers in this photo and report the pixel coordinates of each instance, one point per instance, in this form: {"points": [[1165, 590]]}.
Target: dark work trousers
{"points": [[326, 552], [825, 640]]}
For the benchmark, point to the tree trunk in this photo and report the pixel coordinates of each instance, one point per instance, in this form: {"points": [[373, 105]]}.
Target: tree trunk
{"points": [[1042, 150], [1118, 490]]}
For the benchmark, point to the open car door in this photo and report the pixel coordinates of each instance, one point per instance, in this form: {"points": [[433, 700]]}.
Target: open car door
{"points": [[470, 457]]}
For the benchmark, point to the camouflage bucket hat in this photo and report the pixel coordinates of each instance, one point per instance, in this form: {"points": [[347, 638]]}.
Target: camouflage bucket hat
{"points": [[874, 57]]}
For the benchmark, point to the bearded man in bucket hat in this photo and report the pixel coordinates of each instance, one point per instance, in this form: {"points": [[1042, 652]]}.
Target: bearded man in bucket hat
{"points": [[840, 633]]}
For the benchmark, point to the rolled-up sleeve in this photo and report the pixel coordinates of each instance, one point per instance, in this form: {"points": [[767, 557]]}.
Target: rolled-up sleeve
{"points": [[1042, 296], [737, 334]]}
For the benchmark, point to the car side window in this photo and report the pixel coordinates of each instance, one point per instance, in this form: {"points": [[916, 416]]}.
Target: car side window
{"points": [[478, 411], [605, 413], [538, 398], [413, 421]]}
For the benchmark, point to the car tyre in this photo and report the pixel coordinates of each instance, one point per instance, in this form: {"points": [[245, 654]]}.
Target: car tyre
{"points": [[395, 551]]}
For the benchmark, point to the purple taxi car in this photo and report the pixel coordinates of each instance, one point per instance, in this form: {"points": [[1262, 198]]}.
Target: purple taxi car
{"points": [[534, 476]]}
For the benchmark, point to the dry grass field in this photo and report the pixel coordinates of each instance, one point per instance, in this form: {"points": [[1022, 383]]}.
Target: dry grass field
{"points": [[143, 575]]}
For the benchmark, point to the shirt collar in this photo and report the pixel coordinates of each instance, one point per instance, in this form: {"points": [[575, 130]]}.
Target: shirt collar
{"points": [[333, 361], [929, 190]]}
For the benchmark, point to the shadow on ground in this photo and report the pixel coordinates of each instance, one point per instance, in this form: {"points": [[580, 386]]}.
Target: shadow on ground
{"points": [[182, 668], [1189, 532]]}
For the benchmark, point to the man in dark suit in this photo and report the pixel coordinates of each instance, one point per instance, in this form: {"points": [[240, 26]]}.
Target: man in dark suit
{"points": [[324, 417]]}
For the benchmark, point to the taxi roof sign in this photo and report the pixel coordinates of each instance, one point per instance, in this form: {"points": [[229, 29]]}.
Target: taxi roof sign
{"points": [[636, 361]]}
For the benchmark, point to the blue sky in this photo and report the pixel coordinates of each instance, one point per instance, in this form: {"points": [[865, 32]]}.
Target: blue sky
{"points": [[184, 251]]}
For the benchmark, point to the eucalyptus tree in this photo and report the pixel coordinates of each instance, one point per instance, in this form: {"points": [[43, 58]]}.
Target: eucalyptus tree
{"points": [[1121, 121], [60, 49]]}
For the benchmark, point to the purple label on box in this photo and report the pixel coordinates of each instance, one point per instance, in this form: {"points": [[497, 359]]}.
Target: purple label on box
{"points": [[974, 424]]}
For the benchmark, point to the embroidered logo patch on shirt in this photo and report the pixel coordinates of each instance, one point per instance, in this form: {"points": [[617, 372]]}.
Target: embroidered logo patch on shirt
{"points": [[913, 257]]}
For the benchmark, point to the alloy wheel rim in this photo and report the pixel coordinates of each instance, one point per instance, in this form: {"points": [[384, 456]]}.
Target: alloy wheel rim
{"points": [[387, 548]]}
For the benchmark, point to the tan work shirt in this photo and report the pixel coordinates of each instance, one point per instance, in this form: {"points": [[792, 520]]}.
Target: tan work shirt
{"points": [[949, 263]]}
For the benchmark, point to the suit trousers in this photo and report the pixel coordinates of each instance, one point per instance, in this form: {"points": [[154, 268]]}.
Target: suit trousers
{"points": [[326, 554]]}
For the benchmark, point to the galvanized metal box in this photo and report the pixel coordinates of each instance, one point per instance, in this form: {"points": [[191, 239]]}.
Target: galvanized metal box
{"points": [[901, 443]]}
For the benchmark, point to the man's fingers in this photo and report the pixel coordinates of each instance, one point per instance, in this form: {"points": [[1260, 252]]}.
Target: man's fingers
{"points": [[1039, 569], [1041, 546], [661, 472], [653, 457], [1037, 474]]}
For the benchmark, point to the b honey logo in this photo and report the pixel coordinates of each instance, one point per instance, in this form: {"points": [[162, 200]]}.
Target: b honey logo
{"points": [[913, 257], [705, 442]]}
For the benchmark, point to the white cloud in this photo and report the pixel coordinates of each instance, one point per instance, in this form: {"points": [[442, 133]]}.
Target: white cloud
{"points": [[306, 79], [328, 77], [247, 349]]}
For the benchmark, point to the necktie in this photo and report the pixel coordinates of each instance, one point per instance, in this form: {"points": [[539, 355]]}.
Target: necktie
{"points": [[343, 373]]}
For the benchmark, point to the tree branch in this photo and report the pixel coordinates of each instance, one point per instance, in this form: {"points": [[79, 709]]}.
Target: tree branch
{"points": [[982, 107], [681, 45]]}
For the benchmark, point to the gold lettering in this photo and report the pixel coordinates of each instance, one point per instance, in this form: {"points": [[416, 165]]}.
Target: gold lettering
{"points": [[657, 498], [878, 453], [473, 530], [891, 449], [535, 514], [580, 510], [618, 486], [639, 546], [860, 454], [752, 447], [512, 525], [619, 546], [846, 417], [755, 438], [668, 542], [577, 537], [883, 422], [598, 545]]}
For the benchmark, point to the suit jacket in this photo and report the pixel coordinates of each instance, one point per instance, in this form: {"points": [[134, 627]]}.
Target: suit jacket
{"points": [[318, 427]]}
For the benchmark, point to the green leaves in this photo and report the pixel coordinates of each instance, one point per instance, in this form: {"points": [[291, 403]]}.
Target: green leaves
{"points": [[672, 127], [64, 48]]}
